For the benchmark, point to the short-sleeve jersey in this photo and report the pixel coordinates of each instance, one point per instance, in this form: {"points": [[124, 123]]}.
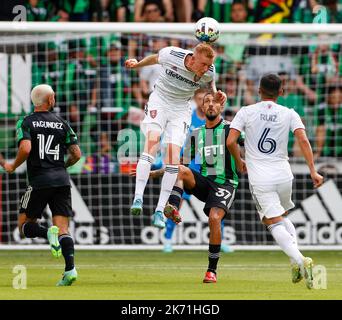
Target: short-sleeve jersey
{"points": [[50, 137], [267, 126], [176, 84], [208, 147]]}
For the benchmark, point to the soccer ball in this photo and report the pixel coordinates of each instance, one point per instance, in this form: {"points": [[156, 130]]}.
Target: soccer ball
{"points": [[207, 30]]}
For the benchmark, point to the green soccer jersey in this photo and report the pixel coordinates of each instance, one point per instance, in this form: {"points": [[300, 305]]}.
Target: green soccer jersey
{"points": [[208, 147], [128, 5], [39, 12], [219, 10], [331, 119], [74, 6]]}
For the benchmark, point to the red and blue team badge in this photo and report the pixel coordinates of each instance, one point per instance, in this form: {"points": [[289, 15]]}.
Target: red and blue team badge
{"points": [[269, 106], [174, 68], [153, 113]]}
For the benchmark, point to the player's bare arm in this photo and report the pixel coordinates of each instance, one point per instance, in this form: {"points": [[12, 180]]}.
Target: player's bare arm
{"points": [[74, 155], [305, 147], [22, 154], [147, 61], [219, 95], [234, 149]]}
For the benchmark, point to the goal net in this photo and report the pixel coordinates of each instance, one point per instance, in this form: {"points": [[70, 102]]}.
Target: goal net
{"points": [[104, 103]]}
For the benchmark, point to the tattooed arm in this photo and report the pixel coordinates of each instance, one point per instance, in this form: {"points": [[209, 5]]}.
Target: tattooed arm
{"points": [[74, 155]]}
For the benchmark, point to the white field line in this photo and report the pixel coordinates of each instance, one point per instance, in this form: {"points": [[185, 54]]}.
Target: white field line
{"points": [[165, 267]]}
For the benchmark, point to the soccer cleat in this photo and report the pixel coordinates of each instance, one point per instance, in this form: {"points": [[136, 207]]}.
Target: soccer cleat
{"points": [[308, 277], [172, 213], [158, 220], [167, 248], [52, 235], [68, 278], [225, 248], [136, 208], [296, 274], [210, 277]]}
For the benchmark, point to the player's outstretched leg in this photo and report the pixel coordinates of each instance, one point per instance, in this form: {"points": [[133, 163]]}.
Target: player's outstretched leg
{"points": [[142, 175], [295, 267], [168, 181], [215, 217], [70, 273], [171, 209], [55, 246], [301, 266]]}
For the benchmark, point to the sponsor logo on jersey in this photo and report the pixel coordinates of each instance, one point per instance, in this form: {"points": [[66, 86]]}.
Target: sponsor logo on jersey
{"points": [[173, 74], [48, 124]]}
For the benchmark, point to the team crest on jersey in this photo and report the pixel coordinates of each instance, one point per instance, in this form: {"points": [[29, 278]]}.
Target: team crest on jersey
{"points": [[153, 113], [174, 68]]}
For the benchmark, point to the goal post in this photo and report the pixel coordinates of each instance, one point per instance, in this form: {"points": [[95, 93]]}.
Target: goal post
{"points": [[104, 103]]}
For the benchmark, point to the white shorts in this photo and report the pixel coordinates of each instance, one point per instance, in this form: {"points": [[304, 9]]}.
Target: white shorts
{"points": [[272, 200], [173, 124]]}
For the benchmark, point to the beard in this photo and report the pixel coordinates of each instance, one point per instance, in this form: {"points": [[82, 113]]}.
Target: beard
{"points": [[211, 117]]}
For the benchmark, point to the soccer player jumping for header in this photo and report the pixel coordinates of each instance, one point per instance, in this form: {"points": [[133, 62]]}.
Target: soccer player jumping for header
{"points": [[267, 125], [168, 112]]}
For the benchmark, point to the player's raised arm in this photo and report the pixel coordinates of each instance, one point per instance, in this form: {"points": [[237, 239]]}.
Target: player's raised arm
{"points": [[147, 61], [74, 155], [305, 147], [219, 95]]}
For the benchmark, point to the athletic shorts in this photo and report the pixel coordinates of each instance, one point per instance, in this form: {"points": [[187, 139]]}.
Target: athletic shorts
{"points": [[272, 200], [173, 124], [214, 195], [34, 201]]}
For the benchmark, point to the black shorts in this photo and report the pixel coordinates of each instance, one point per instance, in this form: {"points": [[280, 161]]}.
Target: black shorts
{"points": [[34, 201], [213, 194]]}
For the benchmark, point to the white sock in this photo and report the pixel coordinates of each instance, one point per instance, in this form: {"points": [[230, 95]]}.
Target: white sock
{"points": [[290, 228], [168, 181], [143, 173], [286, 241]]}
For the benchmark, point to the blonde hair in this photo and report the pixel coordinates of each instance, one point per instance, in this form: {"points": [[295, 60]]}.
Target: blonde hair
{"points": [[40, 94], [205, 49]]}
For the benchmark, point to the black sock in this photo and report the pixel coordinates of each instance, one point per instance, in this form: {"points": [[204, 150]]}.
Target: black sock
{"points": [[213, 255], [67, 245], [176, 196], [33, 230]]}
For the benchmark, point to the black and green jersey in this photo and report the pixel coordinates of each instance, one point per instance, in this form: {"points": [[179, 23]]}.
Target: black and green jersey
{"points": [[208, 148], [50, 137]]}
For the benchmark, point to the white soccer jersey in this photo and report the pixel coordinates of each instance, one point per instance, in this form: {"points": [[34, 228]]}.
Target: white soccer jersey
{"points": [[267, 126], [176, 85]]}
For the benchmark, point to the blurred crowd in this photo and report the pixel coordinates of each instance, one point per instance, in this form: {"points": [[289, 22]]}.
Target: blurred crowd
{"points": [[176, 10], [99, 97]]}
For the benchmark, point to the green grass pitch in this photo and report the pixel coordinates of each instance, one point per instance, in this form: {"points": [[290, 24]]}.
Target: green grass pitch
{"points": [[155, 275]]}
